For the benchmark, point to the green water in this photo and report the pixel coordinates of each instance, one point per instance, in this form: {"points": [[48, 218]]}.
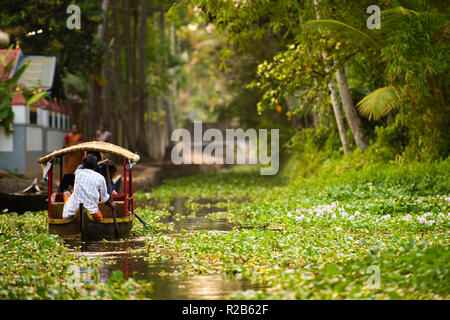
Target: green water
{"points": [[129, 255]]}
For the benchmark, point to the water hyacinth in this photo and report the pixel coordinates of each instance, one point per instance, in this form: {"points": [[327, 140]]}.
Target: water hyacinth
{"points": [[334, 211], [334, 240]]}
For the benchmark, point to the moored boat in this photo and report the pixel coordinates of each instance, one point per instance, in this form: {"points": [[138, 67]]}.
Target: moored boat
{"points": [[21, 202]]}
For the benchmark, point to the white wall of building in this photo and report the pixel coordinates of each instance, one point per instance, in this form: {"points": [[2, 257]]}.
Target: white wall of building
{"points": [[6, 141], [42, 117], [33, 139], [54, 140], [20, 114]]}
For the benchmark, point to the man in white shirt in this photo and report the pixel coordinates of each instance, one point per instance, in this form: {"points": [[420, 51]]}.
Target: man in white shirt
{"points": [[89, 189]]}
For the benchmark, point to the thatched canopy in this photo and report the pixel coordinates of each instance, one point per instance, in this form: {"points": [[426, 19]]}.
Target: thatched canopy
{"points": [[98, 146]]}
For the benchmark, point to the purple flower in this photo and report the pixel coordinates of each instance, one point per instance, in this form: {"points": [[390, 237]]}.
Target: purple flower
{"points": [[333, 216], [289, 215], [408, 217], [386, 217], [422, 219], [430, 222], [344, 214], [357, 213], [298, 218], [447, 199]]}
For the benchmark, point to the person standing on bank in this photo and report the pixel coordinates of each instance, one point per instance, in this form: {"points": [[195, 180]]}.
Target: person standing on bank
{"points": [[102, 134], [71, 160], [89, 189]]}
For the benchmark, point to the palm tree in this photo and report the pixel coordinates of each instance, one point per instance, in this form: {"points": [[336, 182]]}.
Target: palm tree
{"points": [[381, 101], [352, 116]]}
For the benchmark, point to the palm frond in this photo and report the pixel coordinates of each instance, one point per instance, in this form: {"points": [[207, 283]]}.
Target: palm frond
{"points": [[36, 97], [341, 29], [419, 5], [378, 103], [15, 78], [390, 18]]}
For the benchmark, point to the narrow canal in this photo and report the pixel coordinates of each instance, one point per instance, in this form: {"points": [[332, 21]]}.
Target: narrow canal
{"points": [[129, 255]]}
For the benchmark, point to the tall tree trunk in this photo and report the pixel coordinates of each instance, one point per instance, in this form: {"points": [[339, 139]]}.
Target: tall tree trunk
{"points": [[141, 143], [173, 50], [134, 75], [91, 107], [338, 115], [166, 95], [117, 75], [152, 106], [106, 69], [129, 115], [97, 113], [107, 111], [353, 118], [334, 98]]}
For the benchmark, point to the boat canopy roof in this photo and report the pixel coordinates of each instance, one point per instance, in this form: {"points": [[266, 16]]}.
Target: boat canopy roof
{"points": [[98, 146]]}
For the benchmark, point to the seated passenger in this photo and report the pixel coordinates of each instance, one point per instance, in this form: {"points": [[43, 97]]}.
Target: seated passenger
{"points": [[101, 168], [90, 186]]}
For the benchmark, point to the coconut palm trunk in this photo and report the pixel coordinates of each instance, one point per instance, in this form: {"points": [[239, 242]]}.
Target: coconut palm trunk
{"points": [[338, 115], [334, 98], [353, 118]]}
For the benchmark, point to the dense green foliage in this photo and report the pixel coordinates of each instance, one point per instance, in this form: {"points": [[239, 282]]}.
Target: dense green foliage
{"points": [[397, 71], [320, 233], [338, 228], [8, 87], [78, 51], [37, 265]]}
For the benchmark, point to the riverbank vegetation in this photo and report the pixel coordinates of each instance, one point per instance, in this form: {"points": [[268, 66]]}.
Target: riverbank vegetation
{"points": [[331, 231], [37, 265]]}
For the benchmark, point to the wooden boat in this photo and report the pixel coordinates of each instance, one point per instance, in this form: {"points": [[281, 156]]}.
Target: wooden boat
{"points": [[82, 224], [21, 202], [29, 199]]}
